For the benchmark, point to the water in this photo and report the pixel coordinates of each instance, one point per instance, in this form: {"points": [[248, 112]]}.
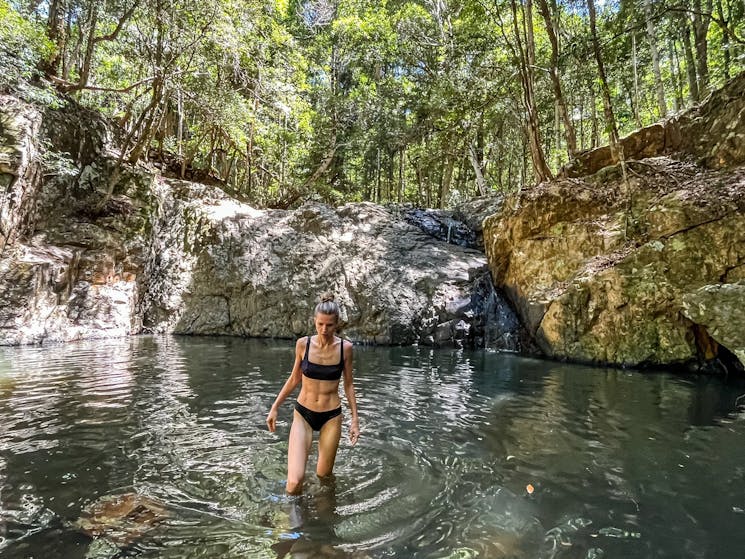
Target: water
{"points": [[622, 464]]}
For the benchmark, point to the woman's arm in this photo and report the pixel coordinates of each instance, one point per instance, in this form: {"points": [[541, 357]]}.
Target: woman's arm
{"points": [[354, 430], [290, 385]]}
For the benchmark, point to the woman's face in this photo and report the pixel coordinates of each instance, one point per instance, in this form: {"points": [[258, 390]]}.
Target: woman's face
{"points": [[325, 324]]}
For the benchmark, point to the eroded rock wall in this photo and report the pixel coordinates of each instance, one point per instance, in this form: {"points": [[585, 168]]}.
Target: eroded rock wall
{"points": [[647, 273], [66, 274], [20, 168]]}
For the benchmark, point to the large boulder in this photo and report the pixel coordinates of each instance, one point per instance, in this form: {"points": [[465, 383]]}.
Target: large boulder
{"points": [[602, 270], [642, 264], [221, 267], [65, 274]]}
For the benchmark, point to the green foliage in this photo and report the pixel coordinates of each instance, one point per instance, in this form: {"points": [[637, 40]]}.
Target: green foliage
{"points": [[23, 46], [281, 101]]}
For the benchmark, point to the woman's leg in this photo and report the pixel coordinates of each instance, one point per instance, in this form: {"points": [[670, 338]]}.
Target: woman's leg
{"points": [[301, 437], [328, 444]]}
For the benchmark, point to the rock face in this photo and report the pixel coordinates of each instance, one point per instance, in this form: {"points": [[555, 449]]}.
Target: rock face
{"points": [[63, 274], [648, 271], [20, 169], [442, 225], [221, 267], [174, 256], [719, 308]]}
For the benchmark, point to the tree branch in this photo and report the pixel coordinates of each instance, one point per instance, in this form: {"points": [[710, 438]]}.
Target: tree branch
{"points": [[119, 26]]}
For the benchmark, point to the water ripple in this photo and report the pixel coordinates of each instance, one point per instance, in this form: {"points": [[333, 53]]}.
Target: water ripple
{"points": [[462, 454]]}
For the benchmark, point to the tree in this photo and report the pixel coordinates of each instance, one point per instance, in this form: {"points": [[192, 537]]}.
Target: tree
{"points": [[550, 18], [522, 47], [701, 14], [660, 87], [421, 101]]}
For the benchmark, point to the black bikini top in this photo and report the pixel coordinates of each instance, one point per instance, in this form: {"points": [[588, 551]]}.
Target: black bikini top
{"points": [[322, 372]]}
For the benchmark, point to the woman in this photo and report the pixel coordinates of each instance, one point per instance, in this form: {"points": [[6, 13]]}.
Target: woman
{"points": [[320, 363]]}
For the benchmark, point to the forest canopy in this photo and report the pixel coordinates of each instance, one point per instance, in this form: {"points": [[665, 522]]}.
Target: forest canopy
{"points": [[427, 102]]}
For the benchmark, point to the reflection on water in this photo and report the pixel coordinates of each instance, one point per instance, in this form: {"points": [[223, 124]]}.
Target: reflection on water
{"points": [[157, 447]]}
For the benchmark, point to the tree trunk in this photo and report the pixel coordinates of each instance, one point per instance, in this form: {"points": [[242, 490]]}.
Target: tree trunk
{"points": [[419, 179], [56, 34], [251, 133], [447, 177], [551, 28], [147, 120], [67, 60], [401, 174], [677, 77], [661, 104], [526, 63], [180, 122], [725, 39], [701, 20], [693, 91], [610, 119], [635, 96], [616, 148], [582, 122], [378, 178], [85, 69], [595, 132], [390, 172], [557, 132], [325, 163], [156, 97], [480, 182]]}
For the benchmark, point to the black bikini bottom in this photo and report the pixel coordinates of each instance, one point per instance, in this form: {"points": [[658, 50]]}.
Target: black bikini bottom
{"points": [[316, 419]]}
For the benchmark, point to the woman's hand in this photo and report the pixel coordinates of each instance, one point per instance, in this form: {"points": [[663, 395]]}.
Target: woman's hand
{"points": [[354, 432], [271, 419]]}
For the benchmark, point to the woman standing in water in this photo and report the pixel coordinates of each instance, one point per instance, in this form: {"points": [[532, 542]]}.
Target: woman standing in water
{"points": [[320, 363]]}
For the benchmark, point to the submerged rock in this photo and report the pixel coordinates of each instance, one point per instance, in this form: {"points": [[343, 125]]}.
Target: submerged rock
{"points": [[121, 519], [502, 526]]}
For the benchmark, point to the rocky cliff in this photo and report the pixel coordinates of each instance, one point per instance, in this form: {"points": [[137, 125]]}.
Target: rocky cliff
{"points": [[172, 256], [221, 267], [645, 270]]}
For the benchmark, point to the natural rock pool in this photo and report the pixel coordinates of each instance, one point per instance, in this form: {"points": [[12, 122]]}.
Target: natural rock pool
{"points": [[158, 447]]}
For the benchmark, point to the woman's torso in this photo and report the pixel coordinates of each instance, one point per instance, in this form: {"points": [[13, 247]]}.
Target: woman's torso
{"points": [[327, 364]]}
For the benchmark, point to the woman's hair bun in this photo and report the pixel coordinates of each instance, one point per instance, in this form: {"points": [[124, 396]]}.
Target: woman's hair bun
{"points": [[327, 305]]}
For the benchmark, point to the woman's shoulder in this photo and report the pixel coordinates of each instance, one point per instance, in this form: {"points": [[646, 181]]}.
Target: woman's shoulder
{"points": [[346, 343], [302, 342]]}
